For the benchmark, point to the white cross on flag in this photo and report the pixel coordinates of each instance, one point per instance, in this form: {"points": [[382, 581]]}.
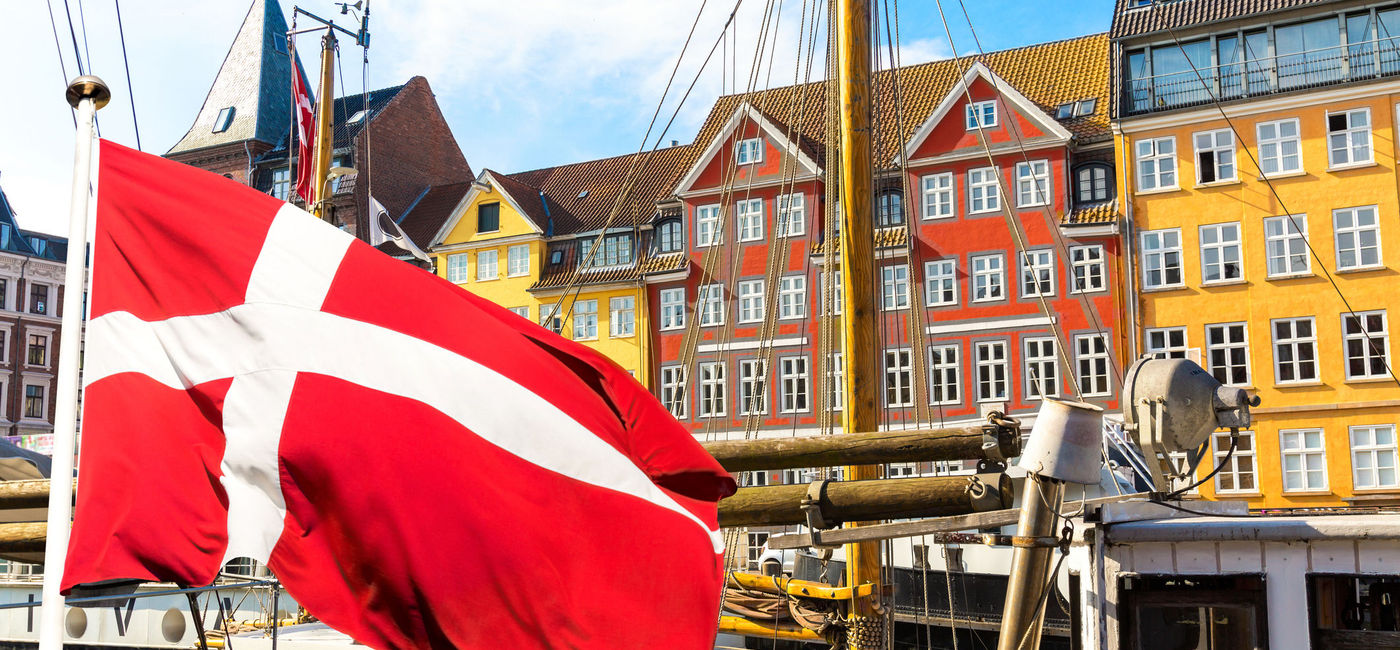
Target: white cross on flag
{"points": [[306, 133], [420, 467]]}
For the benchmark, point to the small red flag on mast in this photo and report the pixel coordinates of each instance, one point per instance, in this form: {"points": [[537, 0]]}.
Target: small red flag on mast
{"points": [[306, 128]]}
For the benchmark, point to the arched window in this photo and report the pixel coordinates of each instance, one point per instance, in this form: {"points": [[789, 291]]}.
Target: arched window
{"points": [[891, 208], [1093, 183], [668, 236]]}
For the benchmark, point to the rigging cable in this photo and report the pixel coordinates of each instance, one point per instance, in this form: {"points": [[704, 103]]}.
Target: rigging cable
{"points": [[135, 125], [61, 65]]}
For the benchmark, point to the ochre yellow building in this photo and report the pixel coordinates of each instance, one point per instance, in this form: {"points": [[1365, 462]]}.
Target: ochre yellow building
{"points": [[1239, 273], [527, 242]]}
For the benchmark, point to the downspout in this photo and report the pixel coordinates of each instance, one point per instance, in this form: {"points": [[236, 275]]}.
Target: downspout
{"points": [[1129, 249], [548, 218], [14, 406]]}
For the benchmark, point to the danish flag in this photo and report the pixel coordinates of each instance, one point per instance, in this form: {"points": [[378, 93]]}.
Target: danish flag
{"points": [[306, 134], [419, 467]]}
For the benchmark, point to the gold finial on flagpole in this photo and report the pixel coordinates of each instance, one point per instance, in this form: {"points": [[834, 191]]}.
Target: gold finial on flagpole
{"points": [[88, 86]]}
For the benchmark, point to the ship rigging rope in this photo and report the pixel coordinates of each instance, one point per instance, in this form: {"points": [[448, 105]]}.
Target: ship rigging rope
{"points": [[126, 64], [62, 67], [1377, 349], [78, 53]]}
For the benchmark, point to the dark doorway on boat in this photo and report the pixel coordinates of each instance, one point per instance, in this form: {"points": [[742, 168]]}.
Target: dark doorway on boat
{"points": [[1354, 612], [1193, 613]]}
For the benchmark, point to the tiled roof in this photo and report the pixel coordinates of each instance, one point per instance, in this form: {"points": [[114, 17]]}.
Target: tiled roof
{"points": [[255, 81], [573, 211], [1131, 20], [426, 216], [554, 276], [888, 237], [1049, 74], [664, 263], [345, 108], [1106, 212]]}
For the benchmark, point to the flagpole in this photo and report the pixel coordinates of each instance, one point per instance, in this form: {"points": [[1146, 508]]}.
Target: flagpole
{"points": [[87, 94]]}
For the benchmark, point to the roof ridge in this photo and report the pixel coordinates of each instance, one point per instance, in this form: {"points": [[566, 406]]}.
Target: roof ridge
{"points": [[585, 162]]}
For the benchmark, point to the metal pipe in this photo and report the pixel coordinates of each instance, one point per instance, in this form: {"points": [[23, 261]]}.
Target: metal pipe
{"points": [[87, 94], [1022, 616]]}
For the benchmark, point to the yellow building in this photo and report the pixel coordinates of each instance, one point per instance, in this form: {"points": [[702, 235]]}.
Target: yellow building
{"points": [[568, 247], [1266, 245]]}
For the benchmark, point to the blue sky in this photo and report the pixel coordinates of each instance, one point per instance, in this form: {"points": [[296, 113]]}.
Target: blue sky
{"points": [[523, 84]]}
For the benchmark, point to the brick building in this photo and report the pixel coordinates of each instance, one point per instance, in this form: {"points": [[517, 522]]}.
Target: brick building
{"points": [[395, 139]]}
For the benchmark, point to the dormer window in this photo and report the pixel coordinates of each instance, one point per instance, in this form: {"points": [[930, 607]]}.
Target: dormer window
{"points": [[616, 251], [223, 120], [1091, 183], [39, 245], [981, 115], [668, 236], [750, 151], [891, 209]]}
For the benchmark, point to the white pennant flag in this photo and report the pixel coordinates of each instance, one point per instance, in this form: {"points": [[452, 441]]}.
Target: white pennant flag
{"points": [[383, 228]]}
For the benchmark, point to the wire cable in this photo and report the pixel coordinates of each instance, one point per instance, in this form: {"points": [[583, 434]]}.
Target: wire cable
{"points": [[62, 67], [135, 124]]}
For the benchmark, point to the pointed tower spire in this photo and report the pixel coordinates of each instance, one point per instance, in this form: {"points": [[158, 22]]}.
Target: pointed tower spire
{"points": [[250, 98]]}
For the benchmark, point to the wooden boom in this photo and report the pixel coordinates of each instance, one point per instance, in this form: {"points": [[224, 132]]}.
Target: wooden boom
{"points": [[901, 498], [957, 443]]}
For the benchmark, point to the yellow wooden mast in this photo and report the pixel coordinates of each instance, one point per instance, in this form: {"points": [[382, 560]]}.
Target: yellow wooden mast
{"points": [[324, 115], [857, 273]]}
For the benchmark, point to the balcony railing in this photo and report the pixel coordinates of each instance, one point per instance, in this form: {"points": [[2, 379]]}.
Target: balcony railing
{"points": [[1263, 76]]}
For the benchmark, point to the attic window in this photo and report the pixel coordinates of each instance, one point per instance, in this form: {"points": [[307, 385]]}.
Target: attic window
{"points": [[279, 42], [1065, 111], [224, 120], [981, 115], [750, 152], [583, 194], [358, 117], [1085, 107]]}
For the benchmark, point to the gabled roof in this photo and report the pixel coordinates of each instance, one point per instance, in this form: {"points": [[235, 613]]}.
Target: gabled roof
{"points": [[581, 196], [1047, 74], [803, 148], [1132, 20], [523, 200], [255, 81], [26, 242], [344, 108], [427, 215], [958, 91]]}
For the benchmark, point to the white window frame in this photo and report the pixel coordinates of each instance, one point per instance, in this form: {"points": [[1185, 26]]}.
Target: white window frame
{"points": [[836, 378], [707, 226], [1272, 148], [712, 398], [1290, 237], [1094, 365], [1161, 252], [795, 382], [1296, 344], [518, 260], [983, 188], [1374, 454], [673, 390], [1302, 449], [791, 219], [1033, 183], [792, 297], [1089, 268], [992, 274], [523, 312], [622, 311], [986, 371], [1351, 140], [976, 114], [1220, 144], [487, 268], [1220, 446], [1364, 339], [751, 303], [1227, 347], [1042, 369], [838, 293], [899, 378], [894, 286], [940, 196], [945, 374], [750, 215], [1355, 232], [941, 283], [1227, 251], [585, 320], [1156, 164], [555, 324], [711, 305], [749, 151], [1159, 341], [457, 268], [752, 387], [672, 308], [1037, 273]]}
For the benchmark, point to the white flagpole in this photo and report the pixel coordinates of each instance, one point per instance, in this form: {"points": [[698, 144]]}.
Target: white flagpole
{"points": [[87, 94]]}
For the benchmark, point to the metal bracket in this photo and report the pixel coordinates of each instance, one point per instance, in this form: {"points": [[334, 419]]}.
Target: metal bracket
{"points": [[985, 485], [1000, 426], [811, 506]]}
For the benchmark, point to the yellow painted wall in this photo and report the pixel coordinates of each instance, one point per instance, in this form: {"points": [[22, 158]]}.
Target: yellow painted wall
{"points": [[1333, 403], [506, 291]]}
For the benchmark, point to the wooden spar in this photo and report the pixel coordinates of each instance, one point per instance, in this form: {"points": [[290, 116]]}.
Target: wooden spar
{"points": [[858, 339], [781, 505], [26, 537], [325, 115], [745, 627], [926, 445], [25, 494]]}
